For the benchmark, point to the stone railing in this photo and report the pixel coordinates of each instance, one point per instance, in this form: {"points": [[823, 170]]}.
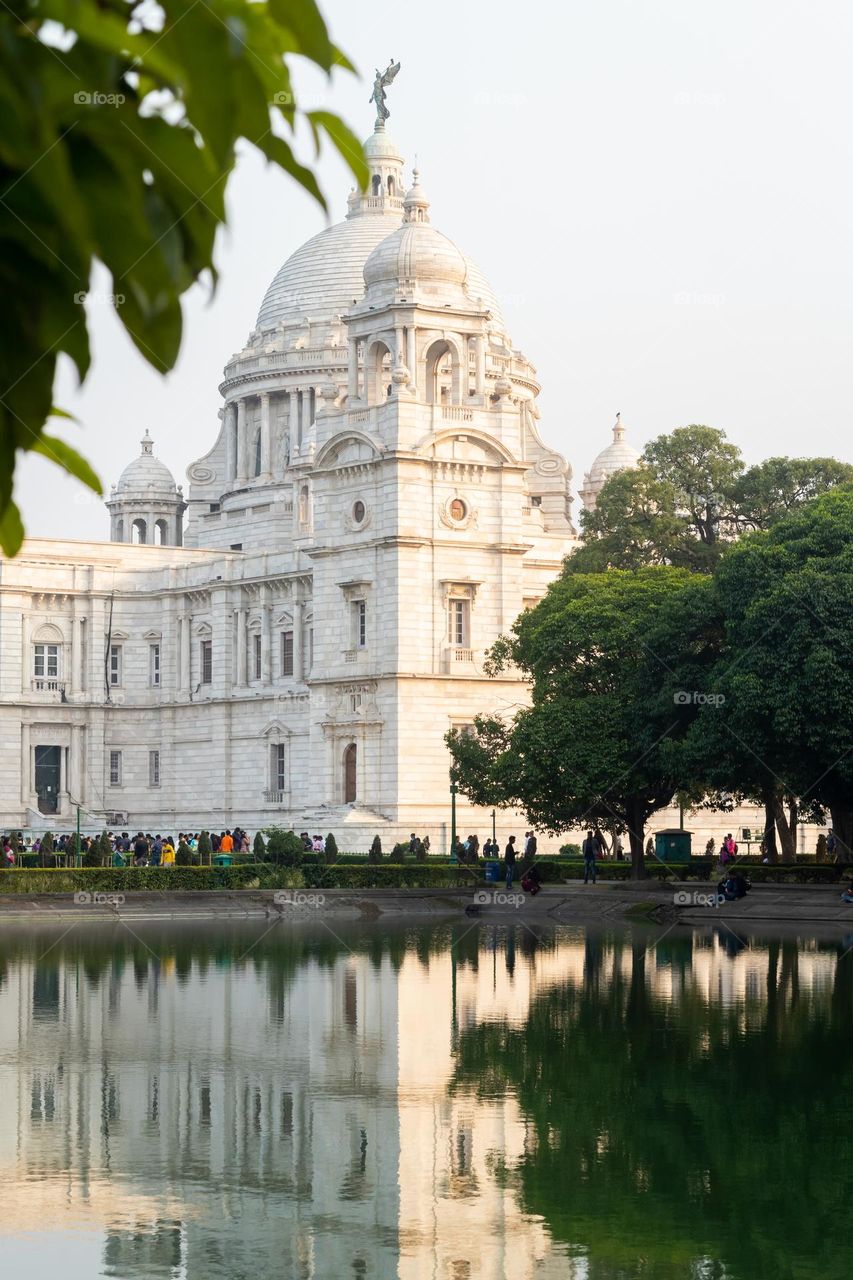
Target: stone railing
{"points": [[273, 797], [48, 684], [456, 413]]}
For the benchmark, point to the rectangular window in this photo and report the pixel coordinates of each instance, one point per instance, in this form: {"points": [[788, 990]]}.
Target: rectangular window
{"points": [[287, 653], [207, 662], [458, 623], [154, 768], [154, 665], [115, 768], [256, 657], [278, 775], [360, 623], [46, 661], [115, 665]]}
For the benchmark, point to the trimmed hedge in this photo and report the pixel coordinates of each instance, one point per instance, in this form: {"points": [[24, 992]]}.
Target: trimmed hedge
{"points": [[390, 876], [118, 879]]}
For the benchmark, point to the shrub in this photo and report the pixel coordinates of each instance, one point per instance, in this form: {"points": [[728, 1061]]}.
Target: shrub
{"points": [[570, 851], [400, 850], [205, 850], [259, 847], [420, 851], [72, 847], [105, 846], [331, 848], [375, 854], [92, 856], [284, 848], [183, 855], [822, 848]]}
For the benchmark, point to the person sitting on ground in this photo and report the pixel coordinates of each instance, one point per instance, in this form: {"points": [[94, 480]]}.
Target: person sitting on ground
{"points": [[531, 881], [733, 886], [847, 895]]}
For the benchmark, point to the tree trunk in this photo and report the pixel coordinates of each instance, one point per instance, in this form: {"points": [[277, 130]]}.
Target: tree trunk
{"points": [[842, 825], [787, 827], [768, 798], [636, 834]]}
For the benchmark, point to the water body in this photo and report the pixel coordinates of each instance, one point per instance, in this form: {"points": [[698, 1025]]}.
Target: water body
{"points": [[471, 1102]]}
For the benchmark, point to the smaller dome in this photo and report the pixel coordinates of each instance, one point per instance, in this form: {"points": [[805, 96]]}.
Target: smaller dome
{"points": [[380, 147], [618, 456], [416, 253], [146, 476]]}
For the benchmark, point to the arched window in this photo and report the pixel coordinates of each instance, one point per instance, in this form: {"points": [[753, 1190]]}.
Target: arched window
{"points": [[390, 185], [140, 532], [161, 533], [442, 374], [377, 185], [378, 373], [350, 768], [119, 535]]}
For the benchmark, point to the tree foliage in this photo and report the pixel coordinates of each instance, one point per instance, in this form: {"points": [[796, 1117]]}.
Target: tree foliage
{"points": [[608, 656], [689, 497], [120, 127]]}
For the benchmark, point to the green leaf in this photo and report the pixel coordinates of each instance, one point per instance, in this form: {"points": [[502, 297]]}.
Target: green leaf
{"points": [[345, 141], [11, 530], [69, 459]]}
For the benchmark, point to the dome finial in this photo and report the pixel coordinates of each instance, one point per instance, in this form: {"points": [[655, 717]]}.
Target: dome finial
{"points": [[147, 443], [618, 429], [415, 205]]}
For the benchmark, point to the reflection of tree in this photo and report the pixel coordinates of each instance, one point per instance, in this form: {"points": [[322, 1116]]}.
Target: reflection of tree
{"points": [[665, 1133]]}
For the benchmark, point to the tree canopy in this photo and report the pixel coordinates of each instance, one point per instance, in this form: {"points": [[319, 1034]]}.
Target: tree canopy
{"points": [[120, 123], [609, 656], [689, 497]]}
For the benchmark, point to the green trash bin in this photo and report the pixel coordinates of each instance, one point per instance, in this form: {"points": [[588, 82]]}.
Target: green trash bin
{"points": [[673, 845], [222, 860]]}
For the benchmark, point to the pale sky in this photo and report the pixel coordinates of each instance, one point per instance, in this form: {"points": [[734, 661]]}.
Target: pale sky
{"points": [[659, 193]]}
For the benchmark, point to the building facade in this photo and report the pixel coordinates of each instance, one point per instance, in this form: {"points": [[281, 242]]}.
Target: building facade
{"points": [[377, 507]]}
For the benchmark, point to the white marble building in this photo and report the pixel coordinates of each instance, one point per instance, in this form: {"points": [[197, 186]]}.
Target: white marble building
{"points": [[377, 507]]}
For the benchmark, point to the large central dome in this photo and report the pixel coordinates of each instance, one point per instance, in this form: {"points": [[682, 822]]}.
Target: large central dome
{"points": [[324, 278]]}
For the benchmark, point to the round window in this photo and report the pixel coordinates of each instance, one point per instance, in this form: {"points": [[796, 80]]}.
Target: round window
{"points": [[458, 510], [359, 511]]}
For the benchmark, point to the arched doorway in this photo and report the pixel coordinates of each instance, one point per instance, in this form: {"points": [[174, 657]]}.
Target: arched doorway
{"points": [[443, 374], [350, 768], [140, 531]]}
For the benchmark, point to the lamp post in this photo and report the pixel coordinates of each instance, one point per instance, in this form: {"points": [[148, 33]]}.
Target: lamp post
{"points": [[494, 828], [453, 791]]}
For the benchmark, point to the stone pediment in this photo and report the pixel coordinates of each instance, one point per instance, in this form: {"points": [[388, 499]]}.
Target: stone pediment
{"points": [[350, 448]]}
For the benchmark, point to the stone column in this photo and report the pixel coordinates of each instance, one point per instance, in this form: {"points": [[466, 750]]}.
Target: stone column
{"points": [[352, 372], [242, 451], [230, 442], [74, 763], [26, 764], [186, 678], [26, 656], [78, 642], [480, 357], [411, 357], [265, 436], [242, 670], [63, 771], [298, 610], [266, 643]]}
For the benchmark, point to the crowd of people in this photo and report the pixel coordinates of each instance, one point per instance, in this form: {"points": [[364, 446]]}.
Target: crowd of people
{"points": [[141, 850]]}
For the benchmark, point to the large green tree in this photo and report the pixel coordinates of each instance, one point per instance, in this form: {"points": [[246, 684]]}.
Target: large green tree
{"points": [[616, 663], [786, 670], [120, 123], [689, 497]]}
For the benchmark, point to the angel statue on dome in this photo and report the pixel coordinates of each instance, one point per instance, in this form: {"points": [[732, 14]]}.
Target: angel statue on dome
{"points": [[380, 83]]}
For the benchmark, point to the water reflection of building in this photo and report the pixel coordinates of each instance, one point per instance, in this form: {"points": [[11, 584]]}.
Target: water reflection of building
{"points": [[216, 1118]]}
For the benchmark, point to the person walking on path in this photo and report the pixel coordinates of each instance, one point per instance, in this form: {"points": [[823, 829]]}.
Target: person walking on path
{"points": [[509, 859], [590, 848]]}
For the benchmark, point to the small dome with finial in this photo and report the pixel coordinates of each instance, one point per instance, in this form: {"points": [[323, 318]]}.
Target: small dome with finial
{"points": [[146, 476], [618, 456]]}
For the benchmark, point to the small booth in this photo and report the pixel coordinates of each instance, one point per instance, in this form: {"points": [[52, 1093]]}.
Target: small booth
{"points": [[673, 845]]}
